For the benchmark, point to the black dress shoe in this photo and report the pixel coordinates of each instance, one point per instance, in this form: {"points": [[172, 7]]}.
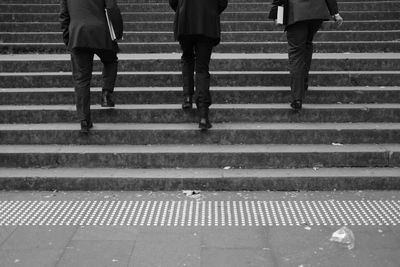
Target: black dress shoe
{"points": [[204, 124], [106, 99], [86, 126], [187, 103], [296, 105]]}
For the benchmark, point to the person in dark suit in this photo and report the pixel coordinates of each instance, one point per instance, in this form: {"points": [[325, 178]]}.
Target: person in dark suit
{"points": [[302, 20], [85, 33], [197, 28]]}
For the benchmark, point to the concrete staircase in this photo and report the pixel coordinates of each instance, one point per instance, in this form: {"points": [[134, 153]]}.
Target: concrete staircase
{"points": [[346, 137]]}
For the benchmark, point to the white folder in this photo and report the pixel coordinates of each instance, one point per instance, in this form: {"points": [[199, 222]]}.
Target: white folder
{"points": [[110, 27]]}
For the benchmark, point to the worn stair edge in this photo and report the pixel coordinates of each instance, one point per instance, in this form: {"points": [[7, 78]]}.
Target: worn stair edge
{"points": [[226, 16], [216, 127], [365, 107], [225, 133], [234, 6], [214, 88], [166, 56], [238, 47], [218, 78], [153, 1], [200, 156], [218, 113], [225, 26], [323, 179], [173, 95], [223, 62], [234, 36]]}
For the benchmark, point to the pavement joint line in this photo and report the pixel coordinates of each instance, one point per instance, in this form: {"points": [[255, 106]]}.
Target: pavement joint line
{"points": [[197, 212]]}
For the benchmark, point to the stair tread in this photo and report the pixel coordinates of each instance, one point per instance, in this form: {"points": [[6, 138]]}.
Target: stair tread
{"points": [[177, 56], [214, 106], [200, 149], [121, 73], [214, 88], [196, 173], [189, 126]]}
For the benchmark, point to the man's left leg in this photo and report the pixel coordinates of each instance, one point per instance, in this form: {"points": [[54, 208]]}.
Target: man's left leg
{"points": [[82, 64], [203, 48]]}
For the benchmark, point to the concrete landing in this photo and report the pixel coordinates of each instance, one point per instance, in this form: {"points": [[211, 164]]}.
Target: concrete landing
{"points": [[208, 245]]}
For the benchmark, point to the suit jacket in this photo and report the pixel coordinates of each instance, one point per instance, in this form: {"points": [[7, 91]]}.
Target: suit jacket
{"points": [[84, 25], [300, 10], [198, 17]]}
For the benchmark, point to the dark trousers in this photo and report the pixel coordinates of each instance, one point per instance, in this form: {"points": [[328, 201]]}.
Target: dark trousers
{"points": [[82, 67], [196, 57], [300, 40]]}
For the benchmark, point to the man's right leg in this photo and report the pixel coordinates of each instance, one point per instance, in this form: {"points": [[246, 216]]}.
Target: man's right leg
{"points": [[187, 61], [82, 64], [313, 27], [110, 68]]}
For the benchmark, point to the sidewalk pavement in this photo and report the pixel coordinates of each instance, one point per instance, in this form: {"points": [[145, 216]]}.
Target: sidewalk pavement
{"points": [[213, 242]]}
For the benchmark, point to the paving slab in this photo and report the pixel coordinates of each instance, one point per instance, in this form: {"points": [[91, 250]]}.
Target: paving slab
{"points": [[5, 233], [243, 257], [34, 257], [373, 247], [103, 233], [234, 238], [96, 253], [44, 237], [168, 248]]}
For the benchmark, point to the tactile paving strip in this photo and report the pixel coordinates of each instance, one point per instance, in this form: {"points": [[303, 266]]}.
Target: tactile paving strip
{"points": [[200, 213]]}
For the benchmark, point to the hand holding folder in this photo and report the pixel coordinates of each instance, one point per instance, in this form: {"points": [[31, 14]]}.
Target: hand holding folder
{"points": [[279, 17]]}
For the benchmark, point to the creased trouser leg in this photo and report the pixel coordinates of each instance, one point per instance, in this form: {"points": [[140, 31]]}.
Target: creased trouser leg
{"points": [[82, 64]]}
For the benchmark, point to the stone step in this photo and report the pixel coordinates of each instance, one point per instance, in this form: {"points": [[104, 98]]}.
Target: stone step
{"points": [[220, 61], [221, 95], [221, 133], [218, 78], [160, 1], [89, 179], [164, 7], [254, 36], [199, 156], [226, 26], [224, 47], [172, 113], [169, 16]]}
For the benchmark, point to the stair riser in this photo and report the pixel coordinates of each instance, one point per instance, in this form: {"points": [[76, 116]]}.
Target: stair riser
{"points": [[217, 115], [169, 16], [164, 7], [213, 184], [219, 97], [140, 37], [233, 79], [200, 160], [330, 64], [225, 26], [159, 1], [277, 47], [220, 137]]}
